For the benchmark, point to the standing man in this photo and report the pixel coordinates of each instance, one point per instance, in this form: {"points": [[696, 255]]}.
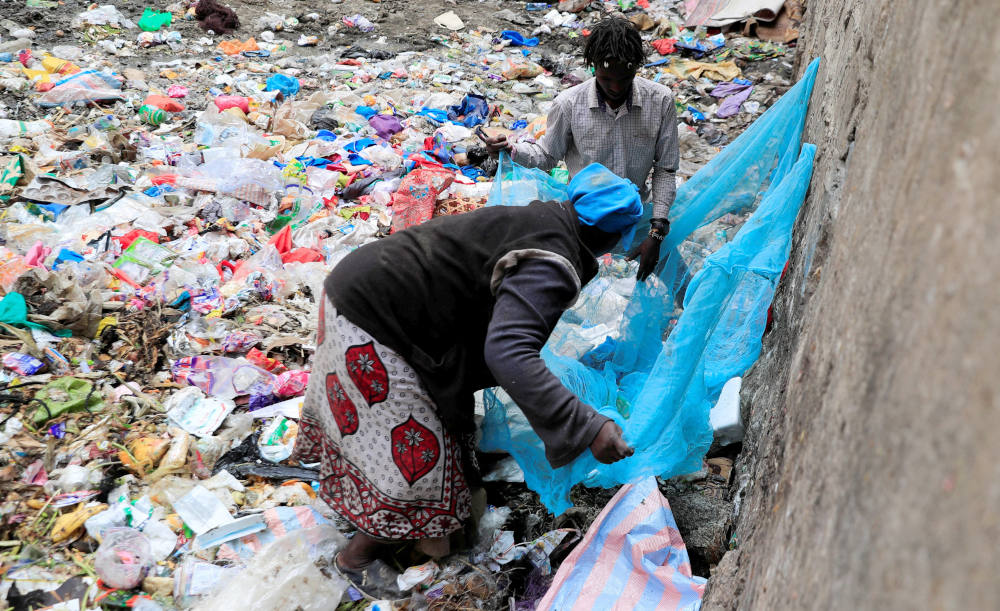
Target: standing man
{"points": [[620, 120]]}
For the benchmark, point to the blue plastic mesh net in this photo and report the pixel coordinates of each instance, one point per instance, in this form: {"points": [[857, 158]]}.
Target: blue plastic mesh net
{"points": [[516, 185], [654, 356]]}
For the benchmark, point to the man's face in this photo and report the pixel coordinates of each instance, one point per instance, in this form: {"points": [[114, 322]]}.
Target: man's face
{"points": [[615, 83]]}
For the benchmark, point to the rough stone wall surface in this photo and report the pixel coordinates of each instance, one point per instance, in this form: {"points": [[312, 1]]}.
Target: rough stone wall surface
{"points": [[868, 478]]}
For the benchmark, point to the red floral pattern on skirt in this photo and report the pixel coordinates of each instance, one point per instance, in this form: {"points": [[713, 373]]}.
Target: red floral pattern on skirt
{"points": [[344, 412], [387, 465], [415, 449], [368, 373]]}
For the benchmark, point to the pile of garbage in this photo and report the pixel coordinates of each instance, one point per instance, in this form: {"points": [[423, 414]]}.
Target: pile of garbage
{"points": [[166, 230]]}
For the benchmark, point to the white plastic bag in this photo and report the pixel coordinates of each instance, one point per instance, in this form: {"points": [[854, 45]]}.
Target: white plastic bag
{"points": [[285, 575]]}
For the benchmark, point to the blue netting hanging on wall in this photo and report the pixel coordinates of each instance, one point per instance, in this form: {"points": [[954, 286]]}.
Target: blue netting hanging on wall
{"points": [[654, 356]]}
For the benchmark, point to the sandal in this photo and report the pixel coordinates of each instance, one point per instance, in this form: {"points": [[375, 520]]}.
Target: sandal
{"points": [[377, 581]]}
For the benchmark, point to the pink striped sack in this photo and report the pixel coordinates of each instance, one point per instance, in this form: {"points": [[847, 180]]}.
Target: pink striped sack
{"points": [[632, 557], [280, 521]]}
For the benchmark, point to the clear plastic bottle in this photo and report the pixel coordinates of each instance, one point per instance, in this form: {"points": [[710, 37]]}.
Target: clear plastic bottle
{"points": [[107, 123]]}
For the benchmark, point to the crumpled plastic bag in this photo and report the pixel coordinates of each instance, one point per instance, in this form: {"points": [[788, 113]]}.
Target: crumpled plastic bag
{"points": [[67, 394], [105, 14], [516, 185], [285, 123], [473, 110], [235, 47], [88, 86], [286, 575], [153, 20], [287, 85], [721, 71], [57, 300], [512, 69]]}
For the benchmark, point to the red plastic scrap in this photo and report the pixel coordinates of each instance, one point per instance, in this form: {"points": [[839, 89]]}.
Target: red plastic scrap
{"points": [[301, 255], [665, 46], [126, 240], [282, 240]]}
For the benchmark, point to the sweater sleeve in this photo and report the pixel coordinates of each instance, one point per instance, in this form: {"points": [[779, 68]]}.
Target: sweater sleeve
{"points": [[530, 300]]}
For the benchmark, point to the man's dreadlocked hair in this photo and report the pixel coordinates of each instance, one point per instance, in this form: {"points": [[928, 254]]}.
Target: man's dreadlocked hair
{"points": [[614, 42]]}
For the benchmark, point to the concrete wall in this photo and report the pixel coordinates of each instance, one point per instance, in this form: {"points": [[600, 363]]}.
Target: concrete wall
{"points": [[869, 477]]}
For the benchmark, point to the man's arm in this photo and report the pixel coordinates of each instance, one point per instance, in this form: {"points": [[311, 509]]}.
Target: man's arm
{"points": [[665, 163], [550, 148], [530, 301]]}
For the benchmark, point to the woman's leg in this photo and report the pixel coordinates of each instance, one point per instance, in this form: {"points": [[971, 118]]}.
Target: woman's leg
{"points": [[360, 552], [438, 547]]}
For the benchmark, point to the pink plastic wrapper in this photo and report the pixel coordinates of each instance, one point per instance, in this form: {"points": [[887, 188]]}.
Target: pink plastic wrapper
{"points": [[291, 384], [266, 363], [35, 256], [177, 91], [222, 377], [240, 341], [232, 101], [22, 364]]}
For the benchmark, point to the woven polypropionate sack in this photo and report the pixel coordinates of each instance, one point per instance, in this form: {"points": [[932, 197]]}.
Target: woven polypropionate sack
{"points": [[413, 203]]}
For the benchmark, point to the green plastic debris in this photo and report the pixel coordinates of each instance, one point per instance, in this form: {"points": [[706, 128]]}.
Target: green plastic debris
{"points": [[14, 312], [153, 20], [143, 259], [560, 174], [298, 216], [65, 395], [12, 172]]}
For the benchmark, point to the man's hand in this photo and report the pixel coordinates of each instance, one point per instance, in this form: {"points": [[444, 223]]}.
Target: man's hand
{"points": [[608, 446], [495, 144], [649, 251], [649, 254]]}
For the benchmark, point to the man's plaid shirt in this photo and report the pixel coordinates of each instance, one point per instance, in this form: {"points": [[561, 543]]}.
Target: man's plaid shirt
{"points": [[640, 136]]}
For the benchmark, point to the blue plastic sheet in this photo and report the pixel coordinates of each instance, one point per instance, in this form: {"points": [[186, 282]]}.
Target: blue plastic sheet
{"points": [[366, 111], [287, 85], [436, 115], [359, 145], [663, 373], [518, 39], [471, 112], [66, 256]]}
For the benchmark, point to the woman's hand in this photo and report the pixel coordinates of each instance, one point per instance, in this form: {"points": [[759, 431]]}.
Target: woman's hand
{"points": [[608, 446]]}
